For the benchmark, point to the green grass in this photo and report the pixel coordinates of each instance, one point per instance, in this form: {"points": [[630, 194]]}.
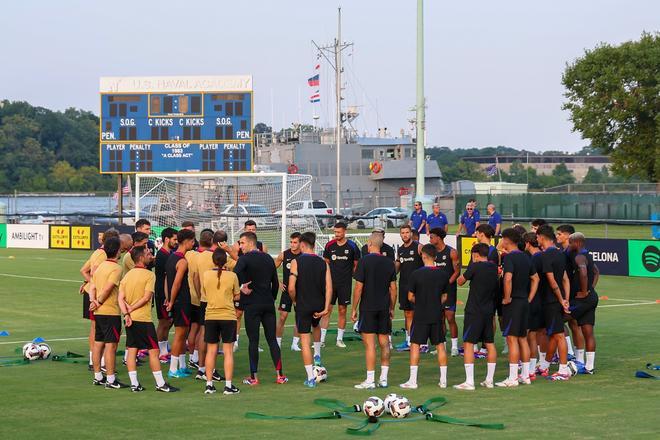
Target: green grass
{"points": [[58, 400]]}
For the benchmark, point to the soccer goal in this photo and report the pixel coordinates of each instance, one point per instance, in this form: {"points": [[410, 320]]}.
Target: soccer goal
{"points": [[226, 201]]}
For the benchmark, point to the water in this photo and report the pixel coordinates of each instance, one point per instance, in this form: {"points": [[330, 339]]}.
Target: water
{"points": [[60, 204]]}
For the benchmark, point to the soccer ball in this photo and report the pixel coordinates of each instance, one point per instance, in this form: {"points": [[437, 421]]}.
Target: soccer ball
{"points": [[320, 373], [45, 351], [572, 367], [31, 352], [400, 408], [373, 407], [388, 400]]}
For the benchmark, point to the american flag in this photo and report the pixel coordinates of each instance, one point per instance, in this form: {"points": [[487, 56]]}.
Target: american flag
{"points": [[125, 190], [491, 170]]}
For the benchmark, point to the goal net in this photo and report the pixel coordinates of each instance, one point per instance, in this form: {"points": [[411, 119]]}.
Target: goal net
{"points": [[227, 201]]}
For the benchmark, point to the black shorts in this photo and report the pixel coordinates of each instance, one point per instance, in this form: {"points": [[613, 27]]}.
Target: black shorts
{"points": [[452, 297], [216, 330], [181, 314], [583, 310], [378, 322], [515, 317], [85, 306], [161, 309], [553, 314], [420, 333], [478, 328], [536, 318], [341, 295], [196, 316], [404, 303], [285, 302], [305, 321], [202, 312], [108, 328], [141, 335], [499, 296]]}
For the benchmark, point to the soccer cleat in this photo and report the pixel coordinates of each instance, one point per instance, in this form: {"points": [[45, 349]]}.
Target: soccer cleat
{"points": [[524, 381], [404, 346], [295, 348], [559, 376], [103, 369], [166, 388], [217, 377], [464, 387], [231, 390], [178, 374], [186, 371], [143, 353], [571, 357], [365, 386], [408, 385], [317, 361], [442, 384], [100, 382], [424, 348], [454, 352], [480, 355], [192, 364], [137, 388], [340, 343], [164, 358], [532, 377], [507, 383], [116, 385], [261, 350], [592, 371], [544, 372], [210, 389], [382, 383], [486, 384], [200, 375], [252, 381], [323, 344], [310, 383], [281, 379]]}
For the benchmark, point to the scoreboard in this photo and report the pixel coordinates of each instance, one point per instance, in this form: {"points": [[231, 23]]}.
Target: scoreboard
{"points": [[176, 124]]}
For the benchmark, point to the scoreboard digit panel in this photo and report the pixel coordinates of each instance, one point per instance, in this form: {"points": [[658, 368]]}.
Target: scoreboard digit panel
{"points": [[175, 131]]}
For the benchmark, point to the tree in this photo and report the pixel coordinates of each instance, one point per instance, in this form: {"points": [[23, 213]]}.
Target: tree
{"points": [[462, 170], [562, 175], [614, 100], [262, 128]]}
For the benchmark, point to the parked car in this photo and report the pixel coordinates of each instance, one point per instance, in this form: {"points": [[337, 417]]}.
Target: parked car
{"points": [[233, 217], [162, 214], [387, 217], [299, 213]]}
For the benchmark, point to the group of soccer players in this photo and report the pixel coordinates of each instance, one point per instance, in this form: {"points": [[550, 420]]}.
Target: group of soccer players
{"points": [[536, 282]]}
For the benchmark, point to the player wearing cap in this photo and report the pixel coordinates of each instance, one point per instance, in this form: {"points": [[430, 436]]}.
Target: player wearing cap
{"points": [[285, 259]]}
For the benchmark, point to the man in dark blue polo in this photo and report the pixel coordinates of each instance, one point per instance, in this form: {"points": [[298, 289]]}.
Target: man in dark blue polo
{"points": [[436, 219], [418, 218], [468, 221], [494, 218]]}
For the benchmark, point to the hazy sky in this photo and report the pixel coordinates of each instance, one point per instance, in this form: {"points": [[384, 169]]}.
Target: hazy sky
{"points": [[493, 69]]}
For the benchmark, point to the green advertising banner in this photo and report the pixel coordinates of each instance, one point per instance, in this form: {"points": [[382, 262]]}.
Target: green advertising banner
{"points": [[3, 236], [644, 258]]}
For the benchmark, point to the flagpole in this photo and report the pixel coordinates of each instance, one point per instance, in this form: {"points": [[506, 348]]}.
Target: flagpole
{"points": [[338, 45], [497, 164], [120, 198]]}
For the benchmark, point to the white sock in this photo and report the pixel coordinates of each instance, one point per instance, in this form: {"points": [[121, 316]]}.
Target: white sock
{"points": [[103, 361], [563, 369], [228, 383], [413, 374], [209, 383], [279, 342], [513, 371], [454, 343], [98, 376], [443, 374], [125, 355], [182, 361], [158, 375], [132, 375], [111, 378], [317, 348], [323, 333], [202, 370], [296, 341], [383, 372], [370, 376], [407, 338], [162, 346], [389, 338], [525, 370], [570, 345], [237, 337], [532, 365], [591, 358], [90, 358], [469, 374], [579, 355], [544, 364], [174, 364], [195, 356], [542, 356], [490, 374], [310, 372], [340, 334]]}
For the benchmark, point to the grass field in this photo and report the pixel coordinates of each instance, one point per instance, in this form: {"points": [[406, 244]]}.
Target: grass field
{"points": [[38, 297]]}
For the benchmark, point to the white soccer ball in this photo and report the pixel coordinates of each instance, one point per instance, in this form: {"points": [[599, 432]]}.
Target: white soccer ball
{"points": [[388, 400], [45, 351], [400, 408], [320, 373], [31, 352], [373, 407], [572, 367]]}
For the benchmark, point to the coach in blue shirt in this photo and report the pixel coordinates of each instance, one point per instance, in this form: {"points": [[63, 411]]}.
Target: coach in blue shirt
{"points": [[468, 221], [436, 219], [494, 218], [418, 218]]}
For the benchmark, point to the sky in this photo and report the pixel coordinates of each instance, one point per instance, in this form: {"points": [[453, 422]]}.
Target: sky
{"points": [[492, 73]]}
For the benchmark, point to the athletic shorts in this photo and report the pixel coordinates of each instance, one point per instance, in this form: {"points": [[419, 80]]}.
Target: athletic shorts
{"points": [[420, 333], [536, 318], [196, 316], [515, 317], [452, 293], [341, 295], [108, 328], [85, 306], [305, 321], [285, 302], [181, 314], [499, 296], [378, 322], [478, 328], [554, 318], [583, 310], [404, 303], [216, 331], [202, 312], [141, 335], [161, 309]]}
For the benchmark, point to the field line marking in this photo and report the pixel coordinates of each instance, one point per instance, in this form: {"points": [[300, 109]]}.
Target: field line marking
{"points": [[626, 299], [627, 305], [11, 275], [2, 257]]}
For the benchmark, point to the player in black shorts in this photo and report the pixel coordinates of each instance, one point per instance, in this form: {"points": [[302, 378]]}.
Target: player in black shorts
{"points": [[555, 288], [342, 256], [562, 234], [536, 337], [447, 259], [168, 236], [310, 289], [425, 287], [479, 312], [520, 281], [584, 303], [408, 260], [375, 296], [178, 305], [284, 259]]}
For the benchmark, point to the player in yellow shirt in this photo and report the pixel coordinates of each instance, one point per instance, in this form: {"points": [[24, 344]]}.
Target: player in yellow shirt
{"points": [[221, 289], [138, 239], [103, 302], [191, 258], [135, 292]]}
